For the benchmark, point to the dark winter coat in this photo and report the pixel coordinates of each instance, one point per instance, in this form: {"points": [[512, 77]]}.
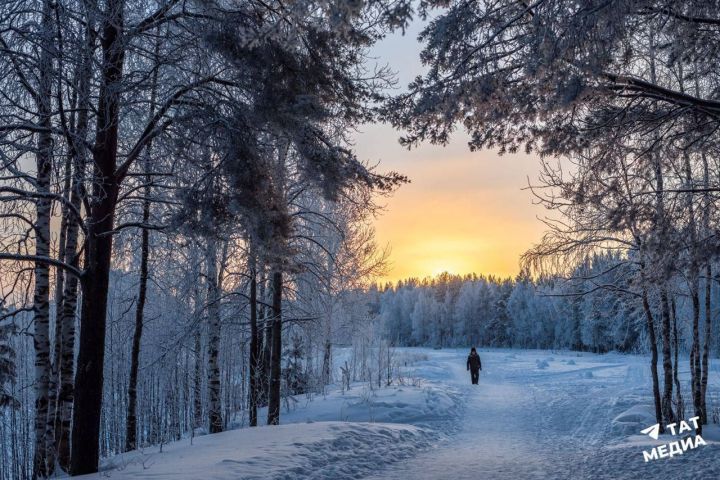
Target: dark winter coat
{"points": [[473, 362]]}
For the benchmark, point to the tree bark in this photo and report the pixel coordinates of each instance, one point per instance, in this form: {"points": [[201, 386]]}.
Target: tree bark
{"points": [[131, 424], [694, 286], [254, 342], [197, 320], [44, 453], [59, 290], [197, 381], [266, 335], [71, 256], [91, 357], [66, 320], [668, 413], [653, 359], [276, 352], [327, 359], [707, 233], [213, 346], [679, 402], [98, 251], [695, 353], [706, 345]]}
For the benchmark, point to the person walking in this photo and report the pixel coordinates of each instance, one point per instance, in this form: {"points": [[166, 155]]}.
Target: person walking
{"points": [[474, 366]]}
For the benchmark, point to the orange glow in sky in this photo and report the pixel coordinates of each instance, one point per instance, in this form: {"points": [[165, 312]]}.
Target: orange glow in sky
{"points": [[464, 211]]}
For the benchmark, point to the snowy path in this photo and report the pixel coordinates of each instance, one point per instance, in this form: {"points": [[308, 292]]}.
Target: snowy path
{"points": [[497, 436], [523, 422], [535, 415]]}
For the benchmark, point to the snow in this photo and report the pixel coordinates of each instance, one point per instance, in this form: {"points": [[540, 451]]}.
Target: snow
{"points": [[556, 422], [579, 417], [326, 450], [542, 364], [637, 415], [422, 404]]}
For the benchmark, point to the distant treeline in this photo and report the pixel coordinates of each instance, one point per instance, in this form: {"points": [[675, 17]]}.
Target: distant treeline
{"points": [[580, 313]]}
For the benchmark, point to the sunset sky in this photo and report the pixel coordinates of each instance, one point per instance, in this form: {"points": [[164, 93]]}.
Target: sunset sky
{"points": [[463, 212]]}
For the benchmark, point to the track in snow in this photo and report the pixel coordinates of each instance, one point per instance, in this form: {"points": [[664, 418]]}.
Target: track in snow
{"points": [[523, 422]]}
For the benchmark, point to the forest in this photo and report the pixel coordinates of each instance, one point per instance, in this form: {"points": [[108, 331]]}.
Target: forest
{"points": [[186, 231], [555, 313]]}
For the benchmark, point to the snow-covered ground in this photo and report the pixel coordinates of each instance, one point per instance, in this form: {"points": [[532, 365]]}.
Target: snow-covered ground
{"points": [[545, 415], [535, 415]]}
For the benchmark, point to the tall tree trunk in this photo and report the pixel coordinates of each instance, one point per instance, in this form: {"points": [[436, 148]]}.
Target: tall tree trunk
{"points": [[660, 231], [59, 290], [706, 345], [660, 227], [67, 354], [44, 454], [694, 285], [98, 250], [276, 352], [197, 320], [653, 359], [213, 345], [131, 423], [197, 381], [327, 344], [679, 402], [265, 334], [668, 412], [70, 288], [707, 233], [66, 321], [327, 359], [695, 353], [254, 341], [90, 362]]}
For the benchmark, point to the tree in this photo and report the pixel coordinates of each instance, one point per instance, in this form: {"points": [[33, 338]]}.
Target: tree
{"points": [[271, 108], [44, 422], [255, 342], [557, 76], [8, 372]]}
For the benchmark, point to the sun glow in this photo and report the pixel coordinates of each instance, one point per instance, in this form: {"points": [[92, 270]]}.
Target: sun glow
{"points": [[440, 270], [434, 262], [463, 212]]}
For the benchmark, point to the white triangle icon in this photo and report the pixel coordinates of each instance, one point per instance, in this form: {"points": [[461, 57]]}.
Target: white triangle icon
{"points": [[652, 431]]}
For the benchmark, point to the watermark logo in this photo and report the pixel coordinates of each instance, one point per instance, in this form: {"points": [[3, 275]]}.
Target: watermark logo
{"points": [[652, 431], [677, 447]]}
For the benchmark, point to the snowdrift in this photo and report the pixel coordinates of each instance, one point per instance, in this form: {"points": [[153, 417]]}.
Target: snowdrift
{"points": [[324, 450]]}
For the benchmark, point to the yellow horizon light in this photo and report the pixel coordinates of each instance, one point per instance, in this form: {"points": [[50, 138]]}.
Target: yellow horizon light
{"points": [[463, 212]]}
